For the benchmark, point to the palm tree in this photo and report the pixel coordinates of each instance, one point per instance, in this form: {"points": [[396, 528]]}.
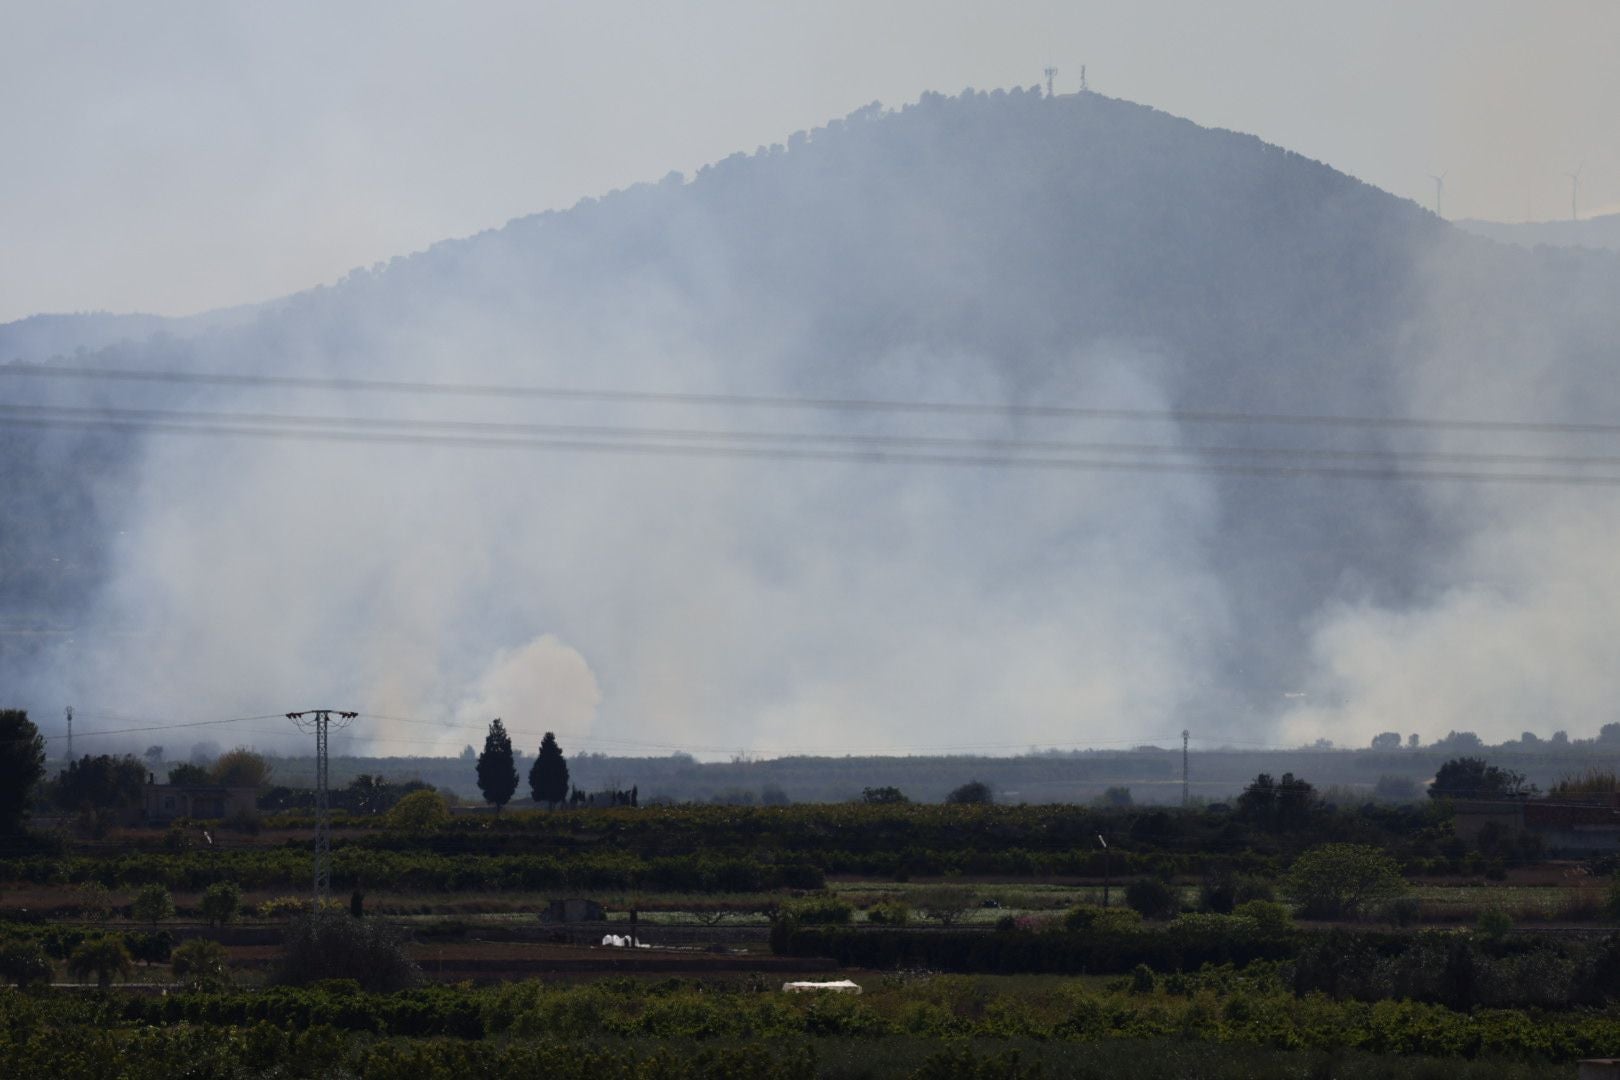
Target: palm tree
{"points": [[102, 957]]}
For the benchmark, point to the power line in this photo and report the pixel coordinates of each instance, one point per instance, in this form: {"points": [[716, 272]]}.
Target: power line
{"points": [[161, 727], [958, 408], [853, 456], [492, 428], [613, 742]]}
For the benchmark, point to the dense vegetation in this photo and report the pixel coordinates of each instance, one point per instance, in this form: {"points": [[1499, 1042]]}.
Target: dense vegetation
{"points": [[1242, 1023]]}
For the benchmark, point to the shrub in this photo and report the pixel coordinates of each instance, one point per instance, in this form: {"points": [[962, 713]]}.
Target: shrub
{"points": [[821, 910], [889, 913], [328, 944], [1080, 918], [1268, 915], [1252, 888], [150, 948], [1116, 920], [1152, 898], [277, 906], [1403, 911], [974, 791], [1218, 894], [1493, 923], [1102, 920]]}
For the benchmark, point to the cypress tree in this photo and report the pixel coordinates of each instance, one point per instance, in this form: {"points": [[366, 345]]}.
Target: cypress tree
{"points": [[497, 774], [548, 778]]}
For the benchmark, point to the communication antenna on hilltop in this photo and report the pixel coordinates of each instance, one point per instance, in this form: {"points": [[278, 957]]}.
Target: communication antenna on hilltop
{"points": [[1575, 192], [1184, 796], [320, 721], [1439, 193], [69, 712], [1051, 73], [1083, 86]]}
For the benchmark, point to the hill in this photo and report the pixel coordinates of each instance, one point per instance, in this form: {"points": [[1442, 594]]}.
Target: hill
{"points": [[1000, 248], [1599, 233]]}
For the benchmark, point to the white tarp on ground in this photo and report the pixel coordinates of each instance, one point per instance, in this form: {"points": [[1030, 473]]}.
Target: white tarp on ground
{"points": [[842, 986], [624, 942]]}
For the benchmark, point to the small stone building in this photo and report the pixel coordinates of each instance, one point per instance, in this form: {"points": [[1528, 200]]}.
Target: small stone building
{"points": [[167, 802], [1565, 827]]}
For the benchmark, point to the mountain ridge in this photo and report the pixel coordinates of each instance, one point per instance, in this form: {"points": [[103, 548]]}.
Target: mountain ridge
{"points": [[1003, 247]]}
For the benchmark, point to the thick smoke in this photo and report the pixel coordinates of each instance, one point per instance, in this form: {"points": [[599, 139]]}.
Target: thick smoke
{"points": [[1513, 629], [1003, 249]]}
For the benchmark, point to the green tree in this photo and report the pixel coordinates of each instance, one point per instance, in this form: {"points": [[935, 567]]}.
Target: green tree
{"points": [[200, 964], [1152, 898], [152, 904], [23, 962], [241, 768], [425, 809], [367, 794], [328, 944], [102, 782], [883, 796], [1473, 778], [946, 903], [103, 957], [548, 778], [974, 791], [497, 773], [93, 901], [1342, 880], [220, 902], [187, 774], [1277, 804], [22, 766]]}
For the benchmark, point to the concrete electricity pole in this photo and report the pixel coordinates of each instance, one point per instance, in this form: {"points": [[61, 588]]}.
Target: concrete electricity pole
{"points": [[1184, 795], [319, 721], [69, 712]]}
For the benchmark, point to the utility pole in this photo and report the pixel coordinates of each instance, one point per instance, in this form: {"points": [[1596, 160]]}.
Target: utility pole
{"points": [[1051, 72], [320, 721], [1107, 877], [1184, 797], [69, 712]]}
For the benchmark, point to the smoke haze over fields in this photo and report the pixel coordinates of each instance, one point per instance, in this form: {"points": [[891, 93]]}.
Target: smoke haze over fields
{"points": [[750, 576]]}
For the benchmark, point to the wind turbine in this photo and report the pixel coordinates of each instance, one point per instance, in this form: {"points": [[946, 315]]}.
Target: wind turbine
{"points": [[1439, 192], [1575, 192]]}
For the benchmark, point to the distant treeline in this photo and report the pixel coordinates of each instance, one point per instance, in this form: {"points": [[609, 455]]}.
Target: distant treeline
{"points": [[741, 849], [1152, 776]]}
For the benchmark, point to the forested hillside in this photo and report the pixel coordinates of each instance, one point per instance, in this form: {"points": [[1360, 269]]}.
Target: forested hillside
{"points": [[1008, 249]]}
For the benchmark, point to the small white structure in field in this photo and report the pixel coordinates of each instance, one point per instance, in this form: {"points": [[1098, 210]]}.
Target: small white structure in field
{"points": [[624, 941], [842, 986]]}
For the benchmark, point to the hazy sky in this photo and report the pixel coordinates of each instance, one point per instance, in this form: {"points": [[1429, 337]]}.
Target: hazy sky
{"points": [[177, 156]]}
